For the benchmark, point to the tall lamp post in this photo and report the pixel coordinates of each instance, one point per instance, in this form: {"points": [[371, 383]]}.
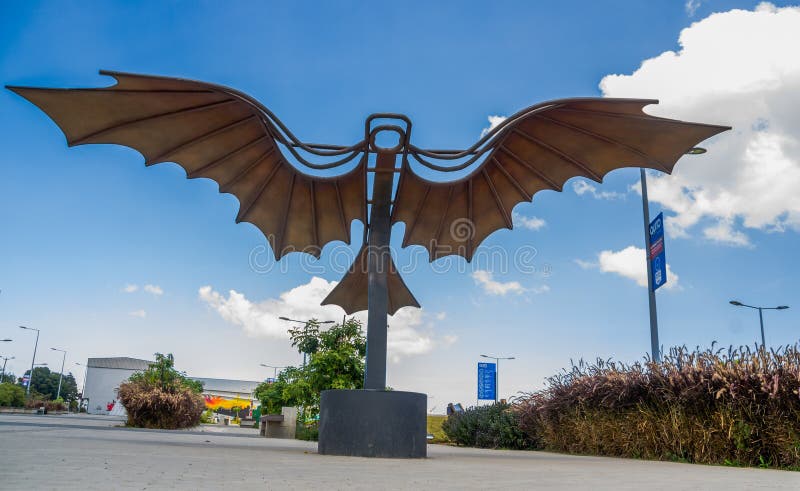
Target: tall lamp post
{"points": [[61, 375], [497, 371], [5, 360], [305, 323], [760, 315], [33, 360]]}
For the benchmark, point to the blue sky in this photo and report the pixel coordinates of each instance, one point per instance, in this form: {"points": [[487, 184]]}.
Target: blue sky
{"points": [[80, 225]]}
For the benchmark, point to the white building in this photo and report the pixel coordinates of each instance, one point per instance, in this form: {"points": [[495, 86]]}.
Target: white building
{"points": [[103, 376]]}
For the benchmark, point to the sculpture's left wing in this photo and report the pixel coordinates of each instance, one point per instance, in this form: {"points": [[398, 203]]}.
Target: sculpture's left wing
{"points": [[538, 148], [221, 134]]}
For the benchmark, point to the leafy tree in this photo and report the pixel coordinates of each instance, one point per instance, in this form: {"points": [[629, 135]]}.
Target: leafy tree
{"points": [[162, 374], [45, 382], [335, 361], [8, 378], [11, 395]]}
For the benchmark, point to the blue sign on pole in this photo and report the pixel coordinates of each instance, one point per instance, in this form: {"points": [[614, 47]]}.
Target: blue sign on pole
{"points": [[487, 381], [657, 257]]}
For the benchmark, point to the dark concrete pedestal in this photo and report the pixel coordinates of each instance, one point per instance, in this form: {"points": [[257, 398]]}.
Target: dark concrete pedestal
{"points": [[373, 423]]}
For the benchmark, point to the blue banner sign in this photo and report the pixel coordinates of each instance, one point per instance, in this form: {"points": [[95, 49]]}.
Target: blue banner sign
{"points": [[657, 257], [487, 381]]}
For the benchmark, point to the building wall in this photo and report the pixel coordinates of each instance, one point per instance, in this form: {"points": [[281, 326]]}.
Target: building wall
{"points": [[101, 388]]}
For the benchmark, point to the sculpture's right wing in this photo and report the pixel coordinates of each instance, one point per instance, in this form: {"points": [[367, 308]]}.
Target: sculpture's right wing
{"points": [[538, 148]]}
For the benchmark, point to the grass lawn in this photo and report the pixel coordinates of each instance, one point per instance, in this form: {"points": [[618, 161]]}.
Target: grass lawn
{"points": [[435, 428]]}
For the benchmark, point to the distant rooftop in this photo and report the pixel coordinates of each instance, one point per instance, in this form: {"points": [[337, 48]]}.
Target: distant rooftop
{"points": [[119, 363]]}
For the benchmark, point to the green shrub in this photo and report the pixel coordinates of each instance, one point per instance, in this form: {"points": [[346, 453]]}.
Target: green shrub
{"points": [[11, 395], [161, 397], [715, 407], [207, 417], [494, 426]]}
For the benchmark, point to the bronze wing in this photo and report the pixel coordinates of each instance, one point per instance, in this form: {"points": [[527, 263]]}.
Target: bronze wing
{"points": [[539, 148], [221, 134]]}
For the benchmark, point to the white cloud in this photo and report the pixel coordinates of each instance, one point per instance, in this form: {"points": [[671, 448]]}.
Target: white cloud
{"points": [[691, 6], [739, 68], [494, 121], [138, 313], [410, 331], [628, 263], [540, 289], [531, 223], [484, 279], [585, 264], [583, 187], [130, 288], [154, 289]]}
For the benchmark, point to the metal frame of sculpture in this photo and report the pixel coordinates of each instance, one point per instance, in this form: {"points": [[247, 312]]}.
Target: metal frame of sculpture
{"points": [[222, 134]]}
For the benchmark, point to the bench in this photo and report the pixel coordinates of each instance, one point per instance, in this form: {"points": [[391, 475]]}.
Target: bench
{"points": [[279, 425]]}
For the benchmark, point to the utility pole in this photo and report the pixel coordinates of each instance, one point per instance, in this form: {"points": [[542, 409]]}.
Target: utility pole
{"points": [[651, 293], [61, 375], [33, 360]]}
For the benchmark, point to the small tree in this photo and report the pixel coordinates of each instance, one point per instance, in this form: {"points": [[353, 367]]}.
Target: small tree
{"points": [[335, 361]]}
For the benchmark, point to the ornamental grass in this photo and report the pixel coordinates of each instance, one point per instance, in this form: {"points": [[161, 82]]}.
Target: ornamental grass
{"points": [[735, 406], [151, 406]]}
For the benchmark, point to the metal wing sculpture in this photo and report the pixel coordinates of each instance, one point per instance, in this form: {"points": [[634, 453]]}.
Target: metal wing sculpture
{"points": [[225, 135]]}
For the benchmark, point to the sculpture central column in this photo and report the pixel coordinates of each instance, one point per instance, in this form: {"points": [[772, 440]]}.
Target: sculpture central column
{"points": [[378, 263]]}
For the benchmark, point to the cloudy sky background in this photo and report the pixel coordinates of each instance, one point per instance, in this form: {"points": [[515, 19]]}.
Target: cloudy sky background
{"points": [[108, 258]]}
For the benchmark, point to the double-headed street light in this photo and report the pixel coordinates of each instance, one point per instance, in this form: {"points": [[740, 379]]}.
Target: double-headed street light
{"points": [[33, 360], [760, 315], [275, 376], [497, 371], [61, 376]]}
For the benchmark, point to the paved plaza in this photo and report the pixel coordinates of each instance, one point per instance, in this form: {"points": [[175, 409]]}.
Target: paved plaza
{"points": [[94, 452]]}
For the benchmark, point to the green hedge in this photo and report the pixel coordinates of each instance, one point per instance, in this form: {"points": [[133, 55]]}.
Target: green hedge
{"points": [[495, 426]]}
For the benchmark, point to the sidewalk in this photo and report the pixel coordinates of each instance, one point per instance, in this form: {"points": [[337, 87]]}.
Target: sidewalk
{"points": [[80, 452]]}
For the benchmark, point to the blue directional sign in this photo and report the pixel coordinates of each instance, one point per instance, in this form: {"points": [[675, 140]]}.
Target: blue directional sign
{"points": [[487, 381], [657, 257]]}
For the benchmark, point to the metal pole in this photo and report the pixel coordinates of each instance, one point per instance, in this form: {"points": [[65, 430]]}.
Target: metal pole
{"points": [[5, 360], [30, 379], [761, 319], [496, 378], [61, 375], [654, 345], [378, 260]]}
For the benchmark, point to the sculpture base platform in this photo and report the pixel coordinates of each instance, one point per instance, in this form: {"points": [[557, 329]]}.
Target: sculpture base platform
{"points": [[373, 423]]}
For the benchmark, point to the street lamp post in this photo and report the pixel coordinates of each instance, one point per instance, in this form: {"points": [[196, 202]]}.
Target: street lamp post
{"points": [[305, 323], [33, 360], [760, 315], [275, 374], [497, 372], [61, 375], [5, 360]]}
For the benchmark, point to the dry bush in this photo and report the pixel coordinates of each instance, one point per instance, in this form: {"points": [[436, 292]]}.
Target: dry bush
{"points": [[150, 406], [734, 407]]}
